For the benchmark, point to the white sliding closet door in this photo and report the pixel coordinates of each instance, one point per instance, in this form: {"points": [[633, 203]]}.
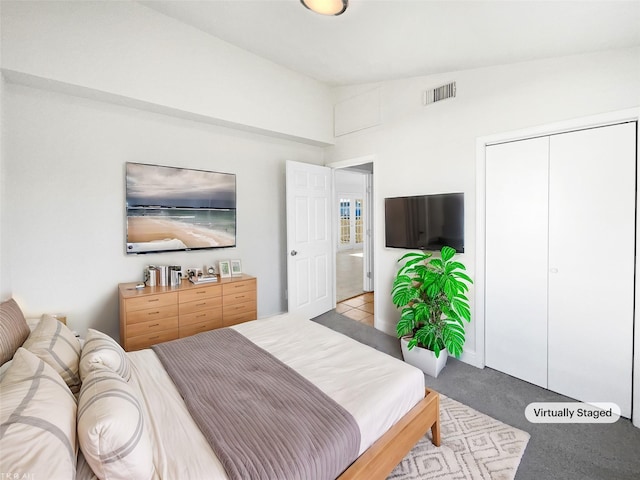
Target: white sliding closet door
{"points": [[516, 259], [591, 264]]}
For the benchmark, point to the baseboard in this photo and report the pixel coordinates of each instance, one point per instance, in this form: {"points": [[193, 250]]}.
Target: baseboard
{"points": [[472, 358], [468, 356]]}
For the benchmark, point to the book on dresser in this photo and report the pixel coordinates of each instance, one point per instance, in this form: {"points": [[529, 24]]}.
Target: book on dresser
{"points": [[153, 315], [203, 279]]}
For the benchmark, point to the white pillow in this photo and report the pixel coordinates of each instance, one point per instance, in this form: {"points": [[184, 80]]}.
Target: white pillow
{"points": [[54, 343], [38, 415], [101, 351], [111, 428]]}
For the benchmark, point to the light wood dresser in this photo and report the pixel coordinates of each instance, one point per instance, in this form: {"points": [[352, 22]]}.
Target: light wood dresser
{"points": [[153, 315]]}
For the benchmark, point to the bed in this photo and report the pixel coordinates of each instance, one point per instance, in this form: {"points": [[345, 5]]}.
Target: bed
{"points": [[386, 398]]}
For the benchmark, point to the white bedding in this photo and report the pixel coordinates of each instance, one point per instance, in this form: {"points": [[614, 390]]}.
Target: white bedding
{"points": [[374, 387]]}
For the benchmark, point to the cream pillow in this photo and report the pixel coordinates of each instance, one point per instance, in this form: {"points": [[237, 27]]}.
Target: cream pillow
{"points": [[38, 417], [101, 351], [111, 428], [13, 329], [54, 343]]}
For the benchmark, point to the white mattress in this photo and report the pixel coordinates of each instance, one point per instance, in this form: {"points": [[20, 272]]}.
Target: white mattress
{"points": [[374, 387]]}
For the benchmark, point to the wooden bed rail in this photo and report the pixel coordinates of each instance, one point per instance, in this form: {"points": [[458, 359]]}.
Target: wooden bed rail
{"points": [[379, 460]]}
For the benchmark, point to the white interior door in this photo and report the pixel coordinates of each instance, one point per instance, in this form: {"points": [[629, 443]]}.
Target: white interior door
{"points": [[591, 264], [309, 249], [516, 259]]}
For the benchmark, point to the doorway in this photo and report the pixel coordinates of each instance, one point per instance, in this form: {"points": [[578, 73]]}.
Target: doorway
{"points": [[349, 248], [354, 265]]}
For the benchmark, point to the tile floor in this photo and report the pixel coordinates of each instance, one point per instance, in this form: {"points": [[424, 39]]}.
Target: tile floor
{"points": [[359, 308]]}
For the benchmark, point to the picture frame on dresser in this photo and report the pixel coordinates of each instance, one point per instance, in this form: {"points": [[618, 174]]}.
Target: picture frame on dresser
{"points": [[225, 269], [236, 268]]}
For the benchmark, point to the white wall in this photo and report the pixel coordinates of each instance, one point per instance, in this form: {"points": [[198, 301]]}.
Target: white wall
{"points": [[65, 209], [127, 53], [118, 82], [5, 288], [349, 182], [432, 149], [5, 280]]}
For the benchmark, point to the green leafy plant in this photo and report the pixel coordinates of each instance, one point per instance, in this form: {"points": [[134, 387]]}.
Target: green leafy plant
{"points": [[432, 295]]}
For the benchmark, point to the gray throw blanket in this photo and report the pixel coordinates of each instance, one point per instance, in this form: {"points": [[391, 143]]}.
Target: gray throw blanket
{"points": [[262, 419]]}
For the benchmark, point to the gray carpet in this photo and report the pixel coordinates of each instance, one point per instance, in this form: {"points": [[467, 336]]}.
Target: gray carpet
{"points": [[555, 451]]}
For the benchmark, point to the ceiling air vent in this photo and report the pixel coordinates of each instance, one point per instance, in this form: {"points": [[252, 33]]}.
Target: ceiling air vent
{"points": [[440, 93]]}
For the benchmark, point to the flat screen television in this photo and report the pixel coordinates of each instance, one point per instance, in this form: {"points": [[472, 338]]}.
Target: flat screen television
{"points": [[425, 222], [171, 209]]}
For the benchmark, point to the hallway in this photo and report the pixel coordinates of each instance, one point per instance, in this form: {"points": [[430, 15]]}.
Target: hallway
{"points": [[349, 267], [351, 300]]}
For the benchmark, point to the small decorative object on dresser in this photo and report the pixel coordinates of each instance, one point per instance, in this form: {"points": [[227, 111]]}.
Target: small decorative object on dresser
{"points": [[236, 268], [158, 314], [210, 270], [225, 269]]}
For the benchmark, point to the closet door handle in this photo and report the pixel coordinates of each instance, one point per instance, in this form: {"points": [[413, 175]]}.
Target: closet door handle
{"points": [[553, 270]]}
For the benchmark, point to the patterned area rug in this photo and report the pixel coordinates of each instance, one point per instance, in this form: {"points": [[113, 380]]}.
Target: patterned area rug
{"points": [[473, 446]]}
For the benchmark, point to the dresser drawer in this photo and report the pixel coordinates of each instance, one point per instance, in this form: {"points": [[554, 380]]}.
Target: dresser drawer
{"points": [[239, 317], [236, 308], [198, 293], [200, 305], [156, 313], [152, 326], [239, 297], [145, 341], [199, 317], [241, 286], [151, 301], [188, 330]]}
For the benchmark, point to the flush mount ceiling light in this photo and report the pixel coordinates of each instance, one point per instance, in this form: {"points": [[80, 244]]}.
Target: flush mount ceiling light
{"points": [[326, 7]]}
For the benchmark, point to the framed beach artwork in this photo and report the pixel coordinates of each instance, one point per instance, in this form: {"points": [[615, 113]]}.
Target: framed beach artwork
{"points": [[225, 269], [173, 209], [236, 268]]}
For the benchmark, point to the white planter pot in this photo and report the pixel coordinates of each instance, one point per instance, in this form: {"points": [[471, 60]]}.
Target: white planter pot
{"points": [[423, 359]]}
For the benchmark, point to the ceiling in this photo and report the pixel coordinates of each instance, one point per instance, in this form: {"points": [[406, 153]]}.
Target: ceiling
{"points": [[381, 40]]}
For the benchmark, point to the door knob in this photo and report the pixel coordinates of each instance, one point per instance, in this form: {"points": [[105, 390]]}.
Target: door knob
{"points": [[293, 253]]}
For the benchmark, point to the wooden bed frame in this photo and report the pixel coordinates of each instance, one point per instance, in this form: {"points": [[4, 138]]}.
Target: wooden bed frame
{"points": [[379, 460]]}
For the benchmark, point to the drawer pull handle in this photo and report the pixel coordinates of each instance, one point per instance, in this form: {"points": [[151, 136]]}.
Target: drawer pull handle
{"points": [[154, 338], [201, 304], [153, 313], [201, 291], [153, 300], [202, 315], [154, 325]]}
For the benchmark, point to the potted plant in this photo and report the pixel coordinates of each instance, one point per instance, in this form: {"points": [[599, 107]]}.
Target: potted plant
{"points": [[432, 295]]}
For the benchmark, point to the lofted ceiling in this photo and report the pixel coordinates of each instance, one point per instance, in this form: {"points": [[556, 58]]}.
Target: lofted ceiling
{"points": [[381, 40]]}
